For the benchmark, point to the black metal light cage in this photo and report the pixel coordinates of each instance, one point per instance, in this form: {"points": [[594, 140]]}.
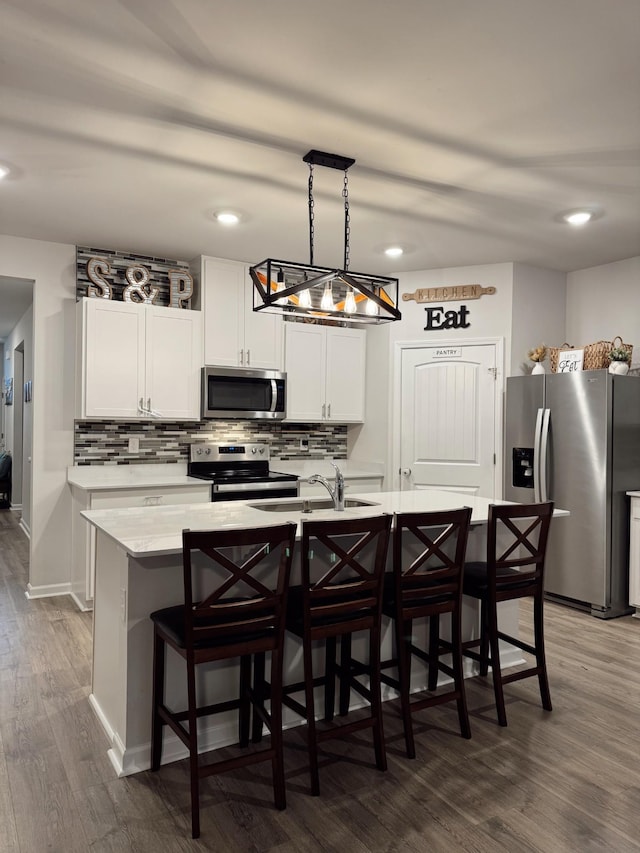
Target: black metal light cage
{"points": [[290, 288], [279, 285]]}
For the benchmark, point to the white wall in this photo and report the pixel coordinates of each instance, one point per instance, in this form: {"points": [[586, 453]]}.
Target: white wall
{"points": [[539, 301], [603, 302], [51, 267]]}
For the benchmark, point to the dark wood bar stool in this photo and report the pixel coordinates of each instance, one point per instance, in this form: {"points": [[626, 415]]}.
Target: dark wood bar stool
{"points": [[516, 548], [235, 591], [342, 565], [428, 559]]}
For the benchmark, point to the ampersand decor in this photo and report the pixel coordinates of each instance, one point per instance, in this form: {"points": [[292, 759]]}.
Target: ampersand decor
{"points": [[138, 278]]}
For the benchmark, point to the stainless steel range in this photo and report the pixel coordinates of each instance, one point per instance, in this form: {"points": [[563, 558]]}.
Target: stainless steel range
{"points": [[239, 472]]}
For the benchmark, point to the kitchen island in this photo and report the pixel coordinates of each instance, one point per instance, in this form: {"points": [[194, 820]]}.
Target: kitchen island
{"points": [[139, 570]]}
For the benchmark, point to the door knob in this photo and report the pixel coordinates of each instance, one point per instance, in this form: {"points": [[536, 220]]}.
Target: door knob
{"points": [[406, 472]]}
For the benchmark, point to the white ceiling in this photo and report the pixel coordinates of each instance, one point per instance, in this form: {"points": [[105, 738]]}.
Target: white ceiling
{"points": [[473, 125]]}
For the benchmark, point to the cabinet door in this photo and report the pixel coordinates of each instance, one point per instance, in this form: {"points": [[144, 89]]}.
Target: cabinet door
{"points": [[345, 379], [173, 362], [113, 343], [223, 284], [263, 337], [305, 356]]}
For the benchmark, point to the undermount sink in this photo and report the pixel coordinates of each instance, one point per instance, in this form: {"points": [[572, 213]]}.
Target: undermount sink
{"points": [[307, 504]]}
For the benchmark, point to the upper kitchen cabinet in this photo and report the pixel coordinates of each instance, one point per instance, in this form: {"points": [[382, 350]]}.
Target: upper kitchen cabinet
{"points": [[325, 368], [234, 334], [137, 362]]}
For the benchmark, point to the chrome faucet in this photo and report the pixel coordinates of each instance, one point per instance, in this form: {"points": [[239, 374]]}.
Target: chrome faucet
{"points": [[337, 492]]}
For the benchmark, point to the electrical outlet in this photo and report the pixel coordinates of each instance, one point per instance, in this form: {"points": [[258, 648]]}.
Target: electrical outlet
{"points": [[304, 445], [134, 444]]}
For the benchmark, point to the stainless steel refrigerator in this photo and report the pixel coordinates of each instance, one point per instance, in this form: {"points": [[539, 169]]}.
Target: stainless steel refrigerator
{"points": [[574, 438]]}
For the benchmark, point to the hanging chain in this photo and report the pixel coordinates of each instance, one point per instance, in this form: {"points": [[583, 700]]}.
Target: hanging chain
{"points": [[347, 220], [311, 214]]}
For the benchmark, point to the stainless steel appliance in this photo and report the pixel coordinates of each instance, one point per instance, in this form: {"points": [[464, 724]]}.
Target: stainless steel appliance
{"points": [[575, 438], [239, 472], [236, 392]]}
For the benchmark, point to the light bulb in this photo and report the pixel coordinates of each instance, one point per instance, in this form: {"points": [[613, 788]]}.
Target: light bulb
{"points": [[372, 308], [304, 298], [350, 306], [326, 303]]}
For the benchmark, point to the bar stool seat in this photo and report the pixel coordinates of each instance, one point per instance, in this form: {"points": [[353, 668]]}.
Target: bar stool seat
{"points": [[235, 592]]}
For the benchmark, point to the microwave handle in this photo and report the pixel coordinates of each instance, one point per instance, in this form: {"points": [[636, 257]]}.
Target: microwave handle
{"points": [[274, 395]]}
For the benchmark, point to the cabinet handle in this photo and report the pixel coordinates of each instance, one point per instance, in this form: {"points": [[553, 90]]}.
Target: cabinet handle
{"points": [[248, 357], [148, 404], [329, 410], [152, 500], [141, 405], [241, 356], [324, 409]]}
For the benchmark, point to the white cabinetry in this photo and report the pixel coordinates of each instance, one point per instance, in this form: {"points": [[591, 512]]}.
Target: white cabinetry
{"points": [[634, 554], [135, 360], [84, 535], [234, 334], [325, 368]]}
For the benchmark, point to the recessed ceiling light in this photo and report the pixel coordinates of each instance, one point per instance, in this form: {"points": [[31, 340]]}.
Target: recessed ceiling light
{"points": [[227, 217], [394, 251], [4, 171], [578, 217]]}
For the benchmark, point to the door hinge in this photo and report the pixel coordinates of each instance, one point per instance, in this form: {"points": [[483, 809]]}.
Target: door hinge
{"points": [[494, 371]]}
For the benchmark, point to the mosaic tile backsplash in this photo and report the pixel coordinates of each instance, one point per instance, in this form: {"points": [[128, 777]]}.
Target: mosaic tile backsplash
{"points": [[106, 442]]}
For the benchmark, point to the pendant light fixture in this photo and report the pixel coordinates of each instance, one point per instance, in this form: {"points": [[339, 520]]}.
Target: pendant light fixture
{"points": [[295, 289]]}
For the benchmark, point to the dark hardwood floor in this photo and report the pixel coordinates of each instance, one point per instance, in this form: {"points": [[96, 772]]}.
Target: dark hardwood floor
{"points": [[562, 781]]}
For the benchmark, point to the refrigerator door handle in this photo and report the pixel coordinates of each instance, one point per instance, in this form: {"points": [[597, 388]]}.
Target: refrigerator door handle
{"points": [[544, 441], [537, 453]]}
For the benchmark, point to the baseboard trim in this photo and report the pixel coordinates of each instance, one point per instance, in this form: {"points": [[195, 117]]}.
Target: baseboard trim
{"points": [[47, 590]]}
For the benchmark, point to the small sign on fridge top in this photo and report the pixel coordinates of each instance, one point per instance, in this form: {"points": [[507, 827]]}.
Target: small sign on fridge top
{"points": [[570, 361]]}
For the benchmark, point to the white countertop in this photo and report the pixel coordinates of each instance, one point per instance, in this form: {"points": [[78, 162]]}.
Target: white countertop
{"points": [[98, 477], [102, 477], [154, 531]]}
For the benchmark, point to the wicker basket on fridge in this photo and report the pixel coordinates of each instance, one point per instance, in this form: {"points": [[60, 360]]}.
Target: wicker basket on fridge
{"points": [[596, 355]]}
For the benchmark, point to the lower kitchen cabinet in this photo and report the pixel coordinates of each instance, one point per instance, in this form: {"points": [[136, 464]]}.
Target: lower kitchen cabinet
{"points": [[325, 368], [137, 362], [84, 535]]}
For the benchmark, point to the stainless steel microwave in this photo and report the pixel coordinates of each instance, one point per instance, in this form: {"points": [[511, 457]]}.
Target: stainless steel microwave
{"points": [[235, 392]]}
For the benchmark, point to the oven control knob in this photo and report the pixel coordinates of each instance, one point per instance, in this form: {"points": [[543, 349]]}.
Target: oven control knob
{"points": [[262, 450], [208, 451], [254, 450], [198, 451]]}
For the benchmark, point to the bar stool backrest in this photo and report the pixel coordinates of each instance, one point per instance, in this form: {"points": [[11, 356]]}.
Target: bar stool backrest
{"points": [[429, 551], [517, 538], [235, 582], [343, 565]]}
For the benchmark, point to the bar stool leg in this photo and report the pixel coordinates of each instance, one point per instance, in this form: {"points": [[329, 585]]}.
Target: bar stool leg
{"points": [[260, 693], [312, 743], [345, 680], [193, 749], [244, 711], [541, 662], [495, 663], [276, 729], [458, 674], [434, 651], [403, 651], [157, 699], [376, 698], [330, 678]]}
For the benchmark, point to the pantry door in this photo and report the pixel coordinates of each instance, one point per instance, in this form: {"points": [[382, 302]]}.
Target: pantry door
{"points": [[449, 418]]}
